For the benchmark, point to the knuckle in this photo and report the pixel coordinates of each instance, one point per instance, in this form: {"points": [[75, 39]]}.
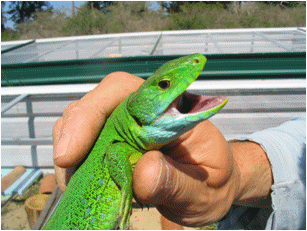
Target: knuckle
{"points": [[117, 74], [121, 76], [57, 126], [102, 111], [70, 107]]}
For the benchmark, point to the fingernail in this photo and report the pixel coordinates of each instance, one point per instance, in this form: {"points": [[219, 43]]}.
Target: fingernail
{"points": [[62, 146]]}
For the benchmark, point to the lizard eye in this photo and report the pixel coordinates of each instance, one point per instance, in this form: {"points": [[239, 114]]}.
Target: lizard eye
{"points": [[164, 84], [195, 61]]}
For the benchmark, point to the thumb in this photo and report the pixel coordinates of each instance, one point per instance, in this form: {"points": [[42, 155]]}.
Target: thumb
{"points": [[179, 191], [160, 180], [150, 178]]}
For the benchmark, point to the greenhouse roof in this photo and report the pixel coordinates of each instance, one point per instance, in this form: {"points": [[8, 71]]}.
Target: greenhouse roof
{"points": [[156, 43], [79, 58]]}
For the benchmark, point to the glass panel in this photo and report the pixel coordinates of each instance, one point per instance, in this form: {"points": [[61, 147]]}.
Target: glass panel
{"points": [[185, 42], [130, 46]]}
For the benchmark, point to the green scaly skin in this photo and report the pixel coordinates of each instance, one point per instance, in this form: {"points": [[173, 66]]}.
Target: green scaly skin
{"points": [[99, 195]]}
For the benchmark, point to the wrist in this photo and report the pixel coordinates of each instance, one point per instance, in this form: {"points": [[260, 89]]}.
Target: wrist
{"points": [[255, 174]]}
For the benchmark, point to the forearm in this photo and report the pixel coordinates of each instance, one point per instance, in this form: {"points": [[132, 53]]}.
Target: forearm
{"points": [[255, 174], [272, 169]]}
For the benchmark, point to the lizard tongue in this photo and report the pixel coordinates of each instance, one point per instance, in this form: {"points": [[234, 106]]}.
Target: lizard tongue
{"points": [[188, 103]]}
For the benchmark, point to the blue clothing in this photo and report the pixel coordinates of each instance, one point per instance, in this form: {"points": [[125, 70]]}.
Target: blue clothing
{"points": [[285, 147]]}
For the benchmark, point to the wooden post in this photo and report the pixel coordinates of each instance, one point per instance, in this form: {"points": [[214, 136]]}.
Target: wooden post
{"points": [[10, 178], [34, 205]]}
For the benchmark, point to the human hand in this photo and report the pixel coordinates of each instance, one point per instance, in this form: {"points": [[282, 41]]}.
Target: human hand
{"points": [[193, 183], [193, 180]]}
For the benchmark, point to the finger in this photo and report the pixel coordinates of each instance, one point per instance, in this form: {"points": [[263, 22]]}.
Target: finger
{"points": [[147, 174], [158, 179], [58, 126], [82, 122], [204, 146], [178, 190], [63, 175]]}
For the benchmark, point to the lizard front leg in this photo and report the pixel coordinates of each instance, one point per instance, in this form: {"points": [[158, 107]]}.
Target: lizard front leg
{"points": [[120, 169]]}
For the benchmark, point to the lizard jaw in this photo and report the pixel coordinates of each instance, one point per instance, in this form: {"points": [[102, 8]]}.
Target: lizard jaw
{"points": [[188, 104], [184, 113]]}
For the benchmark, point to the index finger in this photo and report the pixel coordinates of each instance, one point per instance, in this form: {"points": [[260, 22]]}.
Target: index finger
{"points": [[81, 123]]}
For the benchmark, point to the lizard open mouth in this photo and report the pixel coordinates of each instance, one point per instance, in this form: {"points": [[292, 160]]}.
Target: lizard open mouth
{"points": [[188, 103]]}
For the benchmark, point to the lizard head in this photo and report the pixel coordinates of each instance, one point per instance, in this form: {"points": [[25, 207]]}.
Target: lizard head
{"points": [[163, 108]]}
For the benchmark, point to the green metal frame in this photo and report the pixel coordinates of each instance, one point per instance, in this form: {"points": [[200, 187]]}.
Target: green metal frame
{"points": [[219, 66]]}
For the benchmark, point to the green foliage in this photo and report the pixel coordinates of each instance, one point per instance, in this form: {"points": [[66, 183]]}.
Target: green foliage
{"points": [[284, 3], [46, 25], [21, 11], [121, 17], [202, 15], [175, 6], [126, 16], [264, 15], [187, 18], [100, 5], [86, 21], [8, 34], [3, 18]]}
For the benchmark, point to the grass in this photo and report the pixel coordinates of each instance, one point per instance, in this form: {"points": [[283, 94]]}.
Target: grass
{"points": [[9, 34]]}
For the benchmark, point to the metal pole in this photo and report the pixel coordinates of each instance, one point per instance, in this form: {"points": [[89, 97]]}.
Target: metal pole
{"points": [[13, 102], [156, 45], [32, 131]]}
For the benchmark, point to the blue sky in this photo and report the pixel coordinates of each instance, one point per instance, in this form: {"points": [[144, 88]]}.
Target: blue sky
{"points": [[65, 4]]}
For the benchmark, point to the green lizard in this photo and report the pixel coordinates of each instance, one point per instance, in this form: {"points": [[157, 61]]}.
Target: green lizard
{"points": [[99, 195]]}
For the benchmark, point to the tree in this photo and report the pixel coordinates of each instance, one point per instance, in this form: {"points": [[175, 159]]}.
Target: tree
{"points": [[22, 11], [284, 3], [100, 5], [3, 18], [174, 6]]}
